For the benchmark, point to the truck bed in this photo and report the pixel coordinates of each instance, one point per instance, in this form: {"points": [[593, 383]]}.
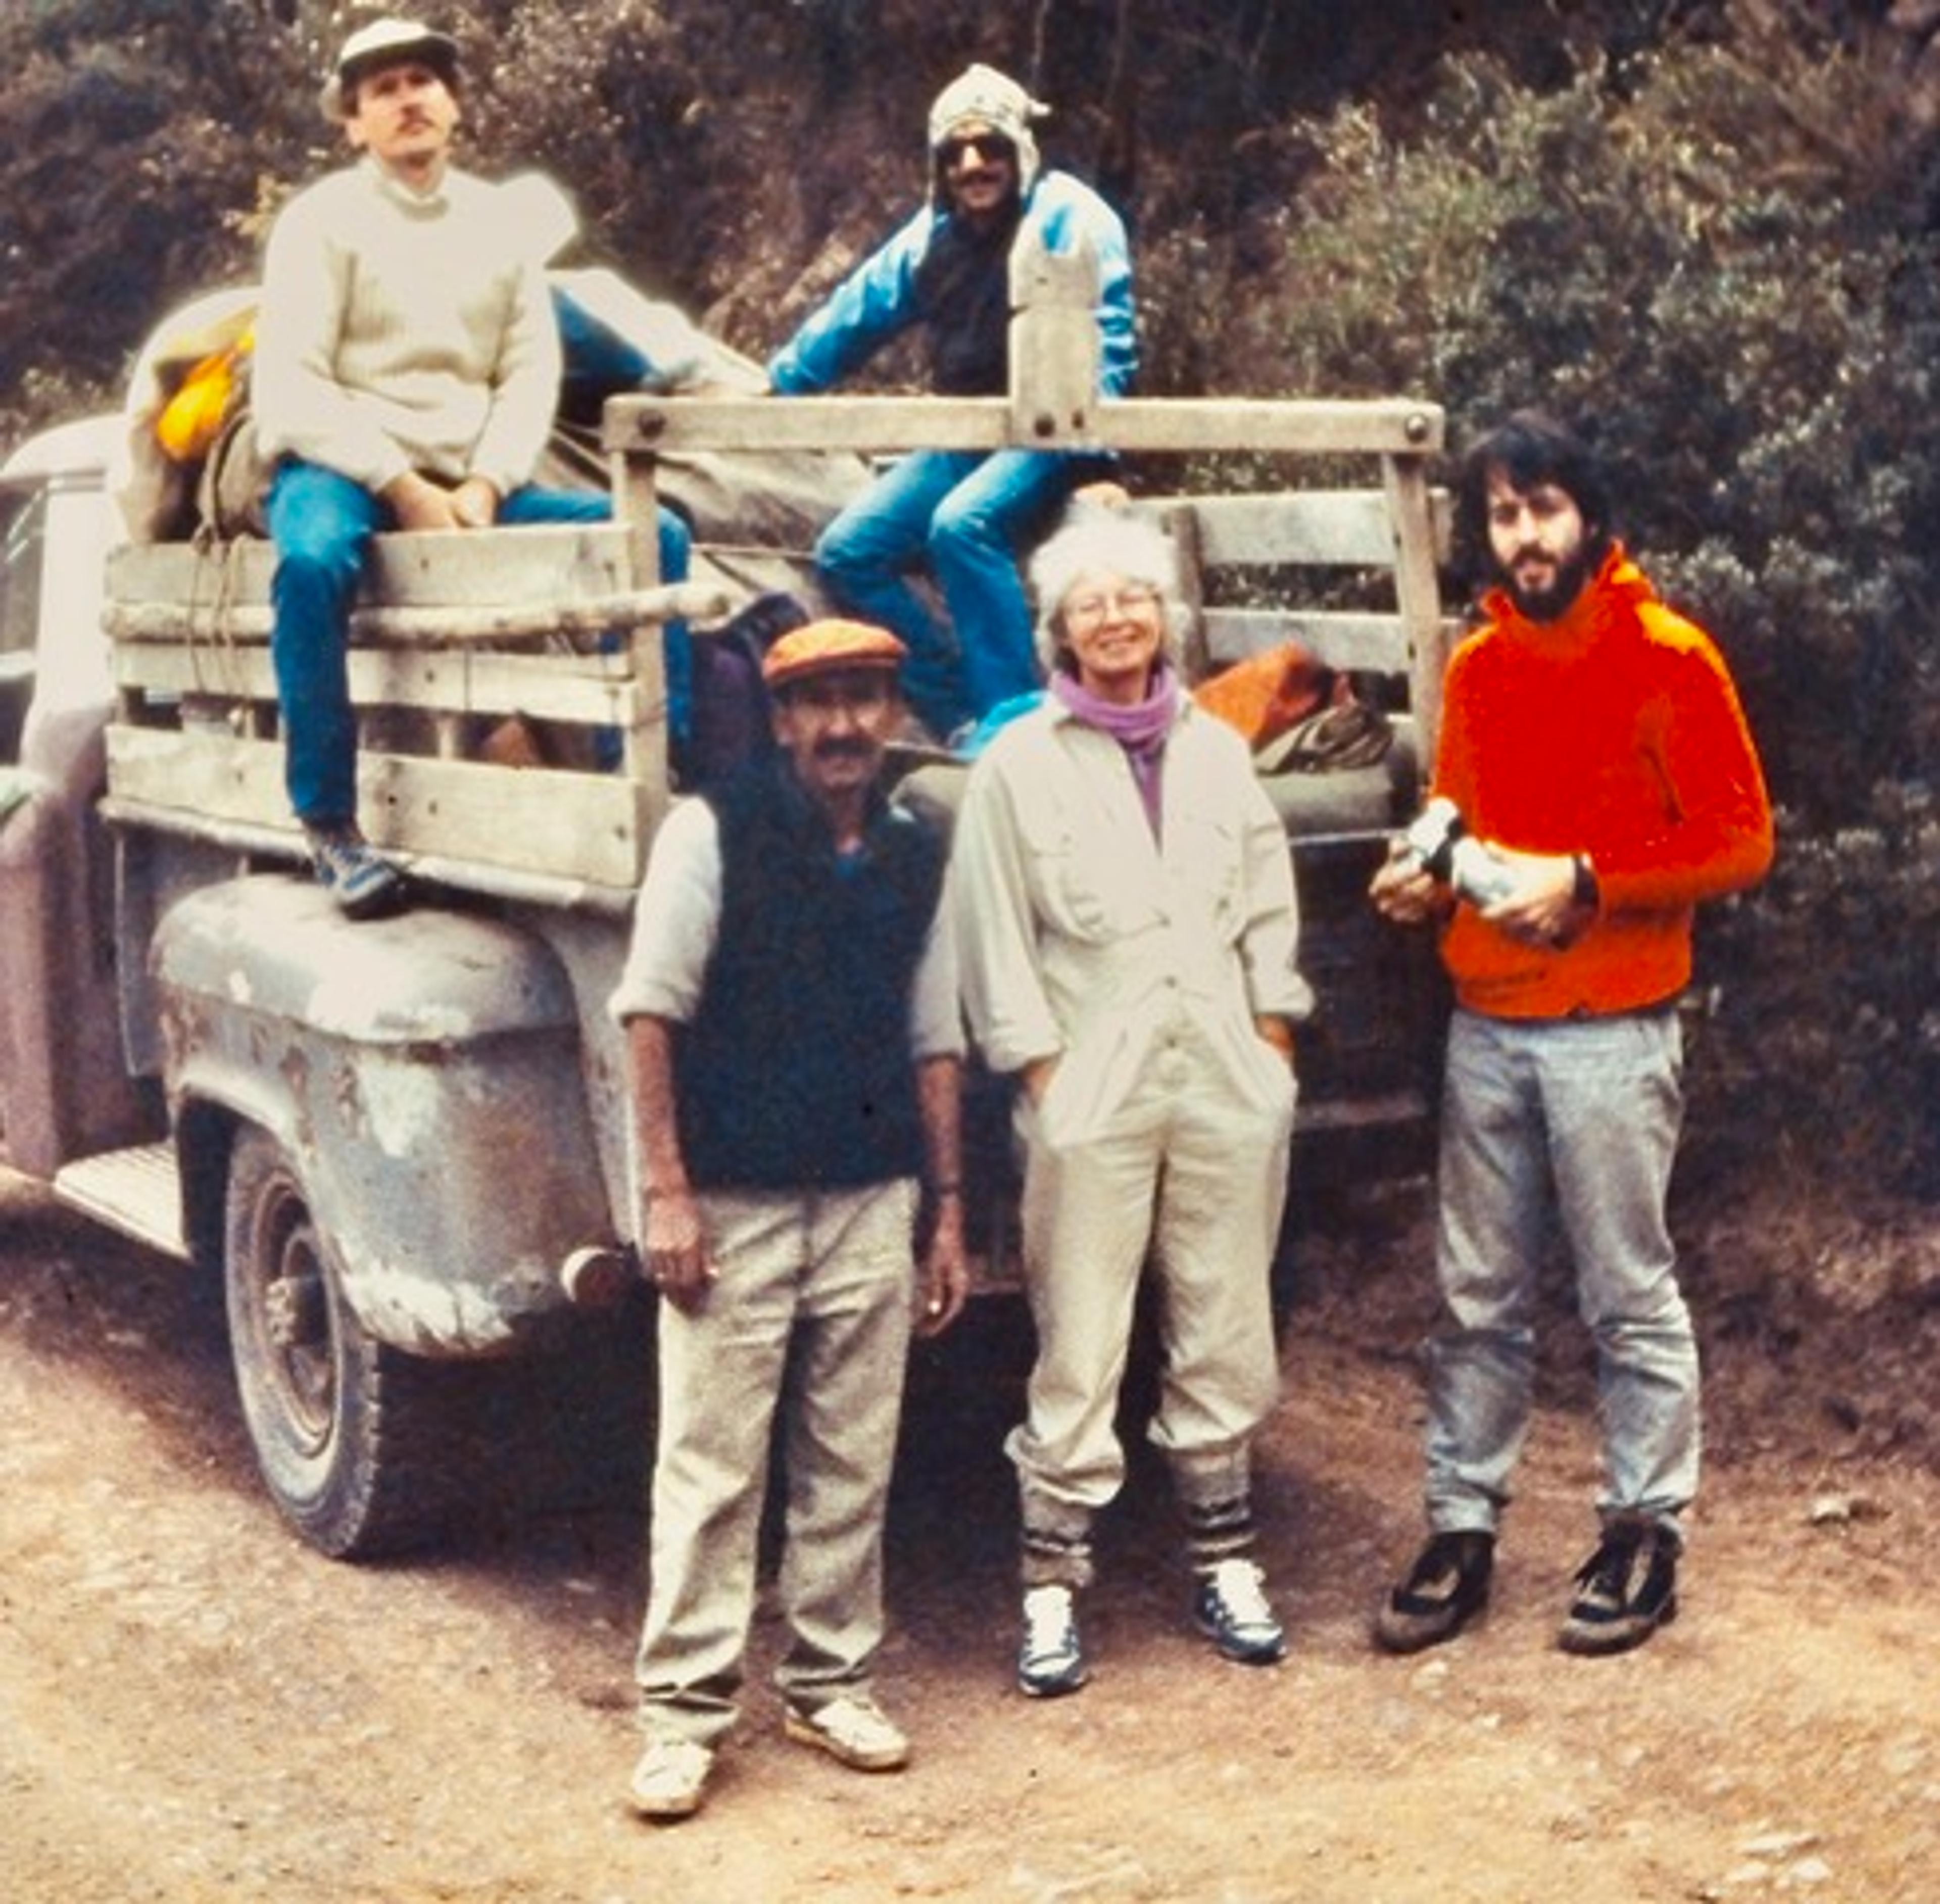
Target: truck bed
{"points": [[496, 676]]}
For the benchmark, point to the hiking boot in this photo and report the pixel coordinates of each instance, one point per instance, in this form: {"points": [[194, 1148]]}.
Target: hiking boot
{"points": [[361, 881], [668, 1780], [1446, 1587], [1230, 1607], [854, 1730], [1625, 1591], [1050, 1661]]}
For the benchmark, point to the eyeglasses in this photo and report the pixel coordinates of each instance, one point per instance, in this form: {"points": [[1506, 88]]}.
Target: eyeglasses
{"points": [[989, 146], [1088, 611]]}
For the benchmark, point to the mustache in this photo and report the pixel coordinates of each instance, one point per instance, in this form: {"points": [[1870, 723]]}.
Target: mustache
{"points": [[842, 749]]}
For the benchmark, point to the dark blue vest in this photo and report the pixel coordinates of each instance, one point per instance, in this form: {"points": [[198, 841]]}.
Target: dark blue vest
{"points": [[796, 1070]]}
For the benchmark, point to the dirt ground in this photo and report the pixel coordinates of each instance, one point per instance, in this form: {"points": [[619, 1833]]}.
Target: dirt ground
{"points": [[194, 1706]]}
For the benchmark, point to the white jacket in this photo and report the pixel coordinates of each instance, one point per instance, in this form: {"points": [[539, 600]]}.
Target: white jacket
{"points": [[1081, 937]]}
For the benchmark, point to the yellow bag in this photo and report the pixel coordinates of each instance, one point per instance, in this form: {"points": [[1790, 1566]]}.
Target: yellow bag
{"points": [[191, 418]]}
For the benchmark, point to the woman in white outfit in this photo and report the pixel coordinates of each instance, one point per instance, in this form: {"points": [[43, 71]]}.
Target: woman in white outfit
{"points": [[1125, 908]]}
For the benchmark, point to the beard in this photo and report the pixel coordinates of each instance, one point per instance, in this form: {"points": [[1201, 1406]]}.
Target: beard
{"points": [[1552, 601]]}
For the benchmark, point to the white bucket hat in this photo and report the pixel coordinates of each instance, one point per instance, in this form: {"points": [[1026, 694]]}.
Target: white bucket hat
{"points": [[386, 42]]}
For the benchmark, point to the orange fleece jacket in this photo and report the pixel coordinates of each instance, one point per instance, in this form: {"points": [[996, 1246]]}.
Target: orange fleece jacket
{"points": [[1614, 732]]}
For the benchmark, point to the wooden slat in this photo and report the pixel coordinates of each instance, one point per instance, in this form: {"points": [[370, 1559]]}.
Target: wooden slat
{"points": [[1418, 593], [1377, 644], [502, 622], [1298, 528], [643, 730], [588, 690], [573, 826], [649, 424], [255, 844], [566, 563], [1055, 349], [1338, 528]]}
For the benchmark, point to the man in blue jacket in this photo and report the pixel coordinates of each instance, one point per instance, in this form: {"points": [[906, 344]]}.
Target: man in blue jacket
{"points": [[947, 268]]}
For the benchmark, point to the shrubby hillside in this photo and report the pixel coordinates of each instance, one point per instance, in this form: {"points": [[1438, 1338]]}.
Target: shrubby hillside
{"points": [[1703, 229]]}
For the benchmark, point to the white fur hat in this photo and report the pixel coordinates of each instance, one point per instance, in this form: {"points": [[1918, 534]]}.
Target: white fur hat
{"points": [[980, 95], [1095, 541]]}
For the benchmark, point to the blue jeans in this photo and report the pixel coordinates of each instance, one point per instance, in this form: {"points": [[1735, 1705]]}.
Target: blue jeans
{"points": [[967, 513], [322, 524], [1574, 1121]]}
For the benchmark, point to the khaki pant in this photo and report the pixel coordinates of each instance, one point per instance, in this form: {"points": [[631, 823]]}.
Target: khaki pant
{"points": [[833, 1273], [1190, 1169]]}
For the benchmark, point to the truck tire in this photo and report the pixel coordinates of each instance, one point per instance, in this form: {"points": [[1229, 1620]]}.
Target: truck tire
{"points": [[358, 1443]]}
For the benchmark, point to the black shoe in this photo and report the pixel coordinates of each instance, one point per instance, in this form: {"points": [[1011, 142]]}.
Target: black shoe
{"points": [[1609, 1614], [1446, 1587]]}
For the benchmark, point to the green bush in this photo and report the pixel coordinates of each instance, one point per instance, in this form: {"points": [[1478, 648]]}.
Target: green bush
{"points": [[1819, 1053], [1752, 357], [1720, 291]]}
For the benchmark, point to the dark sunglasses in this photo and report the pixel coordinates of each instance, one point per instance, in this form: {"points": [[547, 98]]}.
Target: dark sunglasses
{"points": [[987, 145]]}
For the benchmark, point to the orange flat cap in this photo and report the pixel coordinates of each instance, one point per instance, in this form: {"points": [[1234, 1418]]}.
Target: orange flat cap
{"points": [[823, 647]]}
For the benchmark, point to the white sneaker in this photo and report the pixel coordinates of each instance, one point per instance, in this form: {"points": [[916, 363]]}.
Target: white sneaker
{"points": [[853, 1729], [1050, 1661], [669, 1779], [1231, 1608]]}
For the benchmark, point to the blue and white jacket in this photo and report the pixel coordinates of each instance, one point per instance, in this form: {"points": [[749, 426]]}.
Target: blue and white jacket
{"points": [[891, 290]]}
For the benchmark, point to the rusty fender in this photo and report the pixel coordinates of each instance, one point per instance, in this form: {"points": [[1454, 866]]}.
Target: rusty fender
{"points": [[423, 1074]]}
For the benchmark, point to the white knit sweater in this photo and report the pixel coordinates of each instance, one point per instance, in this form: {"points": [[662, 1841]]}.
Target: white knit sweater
{"points": [[402, 332]]}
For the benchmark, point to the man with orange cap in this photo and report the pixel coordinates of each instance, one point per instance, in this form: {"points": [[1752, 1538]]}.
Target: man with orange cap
{"points": [[789, 1002]]}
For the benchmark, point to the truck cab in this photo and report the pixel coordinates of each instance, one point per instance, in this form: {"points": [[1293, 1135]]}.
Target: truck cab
{"points": [[64, 1091]]}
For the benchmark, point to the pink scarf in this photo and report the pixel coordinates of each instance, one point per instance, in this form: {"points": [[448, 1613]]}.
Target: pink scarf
{"points": [[1141, 728]]}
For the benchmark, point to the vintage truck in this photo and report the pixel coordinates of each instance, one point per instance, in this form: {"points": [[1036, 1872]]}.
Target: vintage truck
{"points": [[398, 1144]]}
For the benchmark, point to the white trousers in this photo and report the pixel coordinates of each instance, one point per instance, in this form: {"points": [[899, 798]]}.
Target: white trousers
{"points": [[1190, 1171], [833, 1274]]}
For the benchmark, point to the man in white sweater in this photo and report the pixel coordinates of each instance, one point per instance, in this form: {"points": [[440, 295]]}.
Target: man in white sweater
{"points": [[406, 370]]}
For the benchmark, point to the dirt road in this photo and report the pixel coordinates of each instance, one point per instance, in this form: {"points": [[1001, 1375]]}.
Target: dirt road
{"points": [[193, 1706]]}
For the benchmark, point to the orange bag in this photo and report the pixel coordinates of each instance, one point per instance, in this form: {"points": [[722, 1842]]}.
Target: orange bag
{"points": [[1266, 694]]}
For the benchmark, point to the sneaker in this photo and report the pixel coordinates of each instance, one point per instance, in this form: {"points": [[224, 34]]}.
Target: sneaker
{"points": [[855, 1730], [1230, 1608], [1050, 1661], [1609, 1614], [361, 881], [670, 1777], [1446, 1587]]}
